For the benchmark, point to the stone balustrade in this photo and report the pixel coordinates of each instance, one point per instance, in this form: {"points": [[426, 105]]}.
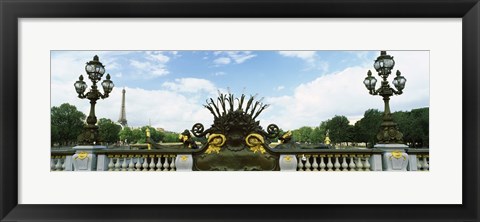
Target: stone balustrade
{"points": [[61, 160], [419, 160], [143, 162], [305, 160], [335, 159], [57, 163], [337, 162]]}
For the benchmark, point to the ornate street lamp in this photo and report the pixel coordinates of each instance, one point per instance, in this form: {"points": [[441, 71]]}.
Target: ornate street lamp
{"points": [[95, 70], [384, 64]]}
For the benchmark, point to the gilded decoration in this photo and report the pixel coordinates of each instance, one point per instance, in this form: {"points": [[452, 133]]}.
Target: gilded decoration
{"points": [[255, 142], [215, 143], [82, 155], [235, 136]]}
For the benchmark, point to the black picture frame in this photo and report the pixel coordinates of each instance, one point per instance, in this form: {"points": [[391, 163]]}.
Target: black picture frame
{"points": [[11, 11]]}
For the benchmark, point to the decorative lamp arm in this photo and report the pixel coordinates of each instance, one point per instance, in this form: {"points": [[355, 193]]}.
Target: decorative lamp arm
{"points": [[396, 92]]}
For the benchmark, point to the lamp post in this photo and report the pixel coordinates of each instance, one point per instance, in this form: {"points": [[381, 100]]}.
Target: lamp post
{"points": [[95, 70], [384, 64]]}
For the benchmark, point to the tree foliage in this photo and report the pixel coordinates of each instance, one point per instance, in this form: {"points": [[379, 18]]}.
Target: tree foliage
{"points": [[339, 130], [155, 135], [303, 135], [366, 129], [139, 135], [170, 137], [413, 124], [126, 135], [109, 131], [66, 124]]}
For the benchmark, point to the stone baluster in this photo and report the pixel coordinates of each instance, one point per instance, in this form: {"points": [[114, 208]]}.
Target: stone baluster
{"points": [[315, 164], [344, 163], [425, 165], [300, 163], [110, 163], [352, 164], [366, 166], [63, 162], [307, 163], [58, 166], [359, 163], [117, 163], [166, 164], [419, 162], [131, 165], [329, 163], [138, 166], [145, 163], [337, 163], [152, 162], [124, 164], [172, 163], [322, 163], [52, 163], [159, 163]]}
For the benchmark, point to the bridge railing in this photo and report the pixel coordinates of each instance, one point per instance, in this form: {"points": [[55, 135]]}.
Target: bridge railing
{"points": [[419, 159], [332, 160], [181, 159]]}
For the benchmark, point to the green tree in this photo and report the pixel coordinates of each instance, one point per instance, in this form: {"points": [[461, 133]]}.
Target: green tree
{"points": [[138, 136], [339, 129], [317, 135], [155, 135], [303, 134], [109, 131], [66, 124], [366, 129], [126, 134], [414, 125], [170, 137]]}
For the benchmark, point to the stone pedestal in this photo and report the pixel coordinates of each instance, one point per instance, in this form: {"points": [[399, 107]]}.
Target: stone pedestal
{"points": [[288, 163], [184, 162], [394, 156], [376, 162], [84, 158]]}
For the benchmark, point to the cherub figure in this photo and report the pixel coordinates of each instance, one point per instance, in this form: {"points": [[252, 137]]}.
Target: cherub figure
{"points": [[187, 140]]}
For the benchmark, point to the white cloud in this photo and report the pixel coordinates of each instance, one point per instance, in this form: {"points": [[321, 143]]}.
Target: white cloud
{"points": [[222, 61], [343, 93], [280, 88], [157, 56], [240, 56], [308, 56], [191, 85], [167, 109], [64, 64], [178, 105], [219, 74], [173, 110], [159, 71], [139, 65], [228, 57], [154, 66]]}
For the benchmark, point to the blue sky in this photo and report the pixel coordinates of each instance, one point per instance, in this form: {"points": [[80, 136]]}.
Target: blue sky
{"points": [[168, 88]]}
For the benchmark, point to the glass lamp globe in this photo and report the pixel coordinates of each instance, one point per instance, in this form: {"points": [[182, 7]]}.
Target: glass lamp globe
{"points": [[107, 84], [80, 85], [399, 81], [370, 81]]}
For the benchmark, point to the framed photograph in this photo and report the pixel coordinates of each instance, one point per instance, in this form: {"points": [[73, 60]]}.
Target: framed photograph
{"points": [[184, 52]]}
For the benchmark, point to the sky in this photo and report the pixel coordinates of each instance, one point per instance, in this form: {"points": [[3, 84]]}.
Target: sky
{"points": [[167, 89]]}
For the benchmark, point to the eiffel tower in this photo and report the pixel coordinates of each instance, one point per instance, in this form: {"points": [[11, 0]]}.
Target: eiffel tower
{"points": [[123, 117]]}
